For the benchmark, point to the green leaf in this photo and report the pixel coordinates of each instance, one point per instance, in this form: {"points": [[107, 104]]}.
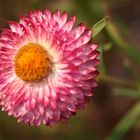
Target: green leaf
{"points": [[96, 29], [126, 92], [129, 49], [126, 123]]}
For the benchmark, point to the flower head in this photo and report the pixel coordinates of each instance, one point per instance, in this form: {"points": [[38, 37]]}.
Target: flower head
{"points": [[47, 67]]}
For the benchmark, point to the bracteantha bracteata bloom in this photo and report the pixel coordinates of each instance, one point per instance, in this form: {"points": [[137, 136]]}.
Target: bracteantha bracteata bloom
{"points": [[47, 67]]}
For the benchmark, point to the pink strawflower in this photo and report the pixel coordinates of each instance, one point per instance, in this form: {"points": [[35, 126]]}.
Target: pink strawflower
{"points": [[47, 67]]}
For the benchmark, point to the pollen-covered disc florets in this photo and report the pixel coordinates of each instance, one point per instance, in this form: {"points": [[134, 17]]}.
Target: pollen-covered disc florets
{"points": [[47, 67], [32, 62]]}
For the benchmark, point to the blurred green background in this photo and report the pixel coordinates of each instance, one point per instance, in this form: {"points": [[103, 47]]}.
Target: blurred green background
{"points": [[113, 113]]}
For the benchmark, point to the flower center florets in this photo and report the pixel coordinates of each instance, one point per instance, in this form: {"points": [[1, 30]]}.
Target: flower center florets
{"points": [[32, 62]]}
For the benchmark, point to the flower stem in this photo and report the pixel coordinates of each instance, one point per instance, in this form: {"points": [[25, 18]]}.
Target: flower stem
{"points": [[116, 82]]}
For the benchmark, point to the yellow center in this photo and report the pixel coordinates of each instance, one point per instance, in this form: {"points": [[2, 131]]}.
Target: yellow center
{"points": [[32, 62]]}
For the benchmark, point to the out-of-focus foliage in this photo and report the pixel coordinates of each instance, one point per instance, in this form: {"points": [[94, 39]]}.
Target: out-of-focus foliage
{"points": [[126, 123], [114, 111]]}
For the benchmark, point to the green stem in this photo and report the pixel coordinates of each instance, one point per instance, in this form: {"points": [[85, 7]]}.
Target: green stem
{"points": [[116, 82]]}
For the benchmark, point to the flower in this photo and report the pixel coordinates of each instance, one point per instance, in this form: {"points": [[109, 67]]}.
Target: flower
{"points": [[47, 67]]}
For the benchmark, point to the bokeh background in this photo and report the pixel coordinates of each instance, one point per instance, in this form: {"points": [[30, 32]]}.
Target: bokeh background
{"points": [[113, 112]]}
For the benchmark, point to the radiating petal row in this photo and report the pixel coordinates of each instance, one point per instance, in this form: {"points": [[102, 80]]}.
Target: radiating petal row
{"points": [[70, 83]]}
